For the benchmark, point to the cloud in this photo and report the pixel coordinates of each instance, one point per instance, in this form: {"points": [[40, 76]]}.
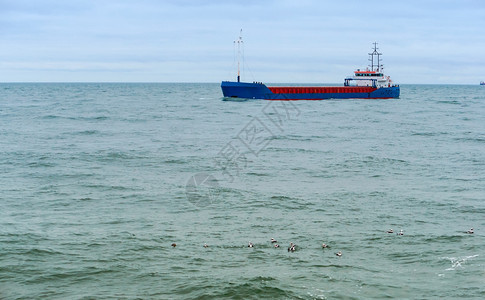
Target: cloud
{"points": [[314, 41]]}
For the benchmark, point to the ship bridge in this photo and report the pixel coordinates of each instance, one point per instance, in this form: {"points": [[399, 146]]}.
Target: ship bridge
{"points": [[372, 76], [359, 73]]}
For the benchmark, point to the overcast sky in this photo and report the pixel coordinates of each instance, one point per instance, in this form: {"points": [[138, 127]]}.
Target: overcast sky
{"points": [[300, 41]]}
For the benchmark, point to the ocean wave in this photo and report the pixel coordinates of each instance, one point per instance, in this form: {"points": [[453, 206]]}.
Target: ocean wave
{"points": [[257, 174], [175, 161], [479, 139], [444, 239], [86, 132], [449, 102], [34, 252], [93, 118], [428, 133], [50, 117], [41, 164], [458, 262], [254, 288]]}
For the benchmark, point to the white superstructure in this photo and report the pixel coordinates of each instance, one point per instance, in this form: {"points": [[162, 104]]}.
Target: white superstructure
{"points": [[372, 76]]}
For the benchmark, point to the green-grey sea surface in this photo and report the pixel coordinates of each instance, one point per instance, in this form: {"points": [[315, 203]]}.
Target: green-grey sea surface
{"points": [[99, 179]]}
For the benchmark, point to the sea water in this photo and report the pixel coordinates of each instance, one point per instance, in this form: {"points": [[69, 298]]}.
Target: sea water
{"points": [[98, 180]]}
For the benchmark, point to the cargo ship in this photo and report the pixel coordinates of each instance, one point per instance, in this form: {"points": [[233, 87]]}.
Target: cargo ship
{"points": [[370, 83]]}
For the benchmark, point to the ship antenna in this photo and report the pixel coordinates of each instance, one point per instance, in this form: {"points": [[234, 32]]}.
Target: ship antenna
{"points": [[239, 44], [372, 65]]}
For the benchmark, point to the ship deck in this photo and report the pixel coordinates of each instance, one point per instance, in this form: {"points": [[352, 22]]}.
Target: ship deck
{"points": [[321, 89]]}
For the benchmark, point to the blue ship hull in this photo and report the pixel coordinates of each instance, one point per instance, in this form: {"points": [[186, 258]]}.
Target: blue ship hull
{"points": [[246, 90]]}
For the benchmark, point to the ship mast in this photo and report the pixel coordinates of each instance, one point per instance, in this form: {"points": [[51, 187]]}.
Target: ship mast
{"points": [[371, 59], [239, 43]]}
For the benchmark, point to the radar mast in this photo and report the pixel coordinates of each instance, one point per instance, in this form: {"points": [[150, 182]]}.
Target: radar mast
{"points": [[375, 65]]}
